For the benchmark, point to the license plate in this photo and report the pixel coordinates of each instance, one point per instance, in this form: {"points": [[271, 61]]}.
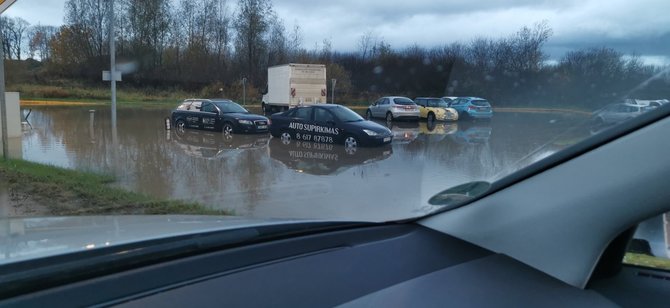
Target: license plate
{"points": [[262, 126], [387, 139]]}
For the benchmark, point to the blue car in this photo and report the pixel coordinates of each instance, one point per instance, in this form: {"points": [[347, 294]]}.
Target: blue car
{"points": [[472, 107], [328, 124]]}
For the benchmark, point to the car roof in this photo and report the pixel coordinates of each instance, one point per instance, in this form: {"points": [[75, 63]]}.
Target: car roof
{"points": [[428, 98], [397, 97], [209, 99], [321, 105]]}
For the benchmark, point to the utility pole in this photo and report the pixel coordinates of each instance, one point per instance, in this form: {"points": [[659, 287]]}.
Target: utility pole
{"points": [[112, 64], [244, 91], [3, 102]]}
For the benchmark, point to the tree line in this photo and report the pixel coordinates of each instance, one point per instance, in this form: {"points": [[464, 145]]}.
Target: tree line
{"points": [[210, 45]]}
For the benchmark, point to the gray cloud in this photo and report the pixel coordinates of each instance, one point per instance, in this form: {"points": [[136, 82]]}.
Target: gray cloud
{"points": [[640, 26]]}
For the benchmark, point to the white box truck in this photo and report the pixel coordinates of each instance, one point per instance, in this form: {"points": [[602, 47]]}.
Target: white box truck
{"points": [[291, 85]]}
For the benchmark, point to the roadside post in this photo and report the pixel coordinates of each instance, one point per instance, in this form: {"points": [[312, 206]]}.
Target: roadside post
{"points": [[112, 75], [4, 5], [332, 91], [244, 91]]}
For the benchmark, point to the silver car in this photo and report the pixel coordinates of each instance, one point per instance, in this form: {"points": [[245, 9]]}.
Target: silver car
{"points": [[616, 113], [392, 108]]}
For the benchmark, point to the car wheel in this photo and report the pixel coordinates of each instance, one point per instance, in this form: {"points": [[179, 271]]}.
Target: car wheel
{"points": [[181, 125], [368, 115], [227, 129], [286, 137], [351, 142], [389, 117], [431, 117]]}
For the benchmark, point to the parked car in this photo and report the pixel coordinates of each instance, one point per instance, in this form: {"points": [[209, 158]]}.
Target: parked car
{"points": [[433, 108], [220, 115], [449, 99], [328, 124], [472, 107], [616, 113], [392, 108], [647, 104]]}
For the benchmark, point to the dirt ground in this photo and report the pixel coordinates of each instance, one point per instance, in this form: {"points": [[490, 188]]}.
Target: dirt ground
{"points": [[15, 203]]}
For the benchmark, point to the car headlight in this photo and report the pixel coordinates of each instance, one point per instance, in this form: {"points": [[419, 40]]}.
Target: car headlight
{"points": [[370, 132], [245, 122]]}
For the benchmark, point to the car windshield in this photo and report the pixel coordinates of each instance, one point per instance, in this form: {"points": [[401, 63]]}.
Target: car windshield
{"points": [[403, 101], [346, 114], [230, 107], [436, 102], [92, 90], [480, 103]]}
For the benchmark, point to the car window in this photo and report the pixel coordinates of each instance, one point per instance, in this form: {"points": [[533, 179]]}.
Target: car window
{"points": [[208, 107], [230, 107], [480, 103], [650, 246], [385, 101], [322, 115], [304, 113], [437, 103], [403, 101]]}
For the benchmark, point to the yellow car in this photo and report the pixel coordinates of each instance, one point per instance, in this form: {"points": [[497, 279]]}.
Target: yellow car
{"points": [[433, 108]]}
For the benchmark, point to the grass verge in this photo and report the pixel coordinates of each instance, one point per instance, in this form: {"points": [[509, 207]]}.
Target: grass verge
{"points": [[646, 261], [68, 192]]}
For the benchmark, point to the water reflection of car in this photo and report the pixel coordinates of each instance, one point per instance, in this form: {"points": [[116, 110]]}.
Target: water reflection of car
{"points": [[437, 128], [472, 133], [616, 113], [432, 108], [219, 115], [214, 145], [392, 108], [328, 124], [472, 108], [324, 159], [403, 132]]}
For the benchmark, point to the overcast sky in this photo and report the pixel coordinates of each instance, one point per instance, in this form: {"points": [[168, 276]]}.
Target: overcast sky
{"points": [[639, 27]]}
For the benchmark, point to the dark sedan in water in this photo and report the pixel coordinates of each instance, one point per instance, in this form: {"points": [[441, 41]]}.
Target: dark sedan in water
{"points": [[328, 124], [220, 115]]}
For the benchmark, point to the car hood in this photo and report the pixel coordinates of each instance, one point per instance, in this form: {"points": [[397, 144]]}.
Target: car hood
{"points": [[35, 238], [378, 128], [246, 116]]}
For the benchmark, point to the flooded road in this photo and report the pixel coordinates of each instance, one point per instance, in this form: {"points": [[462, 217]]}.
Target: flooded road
{"points": [[258, 176]]}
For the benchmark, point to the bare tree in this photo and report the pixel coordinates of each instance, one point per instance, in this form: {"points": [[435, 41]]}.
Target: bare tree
{"points": [[38, 41], [253, 21], [366, 43], [91, 15]]}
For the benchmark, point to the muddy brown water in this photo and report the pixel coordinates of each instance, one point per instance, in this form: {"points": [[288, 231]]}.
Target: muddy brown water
{"points": [[258, 176]]}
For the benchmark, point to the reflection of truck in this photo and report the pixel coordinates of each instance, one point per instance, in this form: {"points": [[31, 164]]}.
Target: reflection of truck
{"points": [[293, 84]]}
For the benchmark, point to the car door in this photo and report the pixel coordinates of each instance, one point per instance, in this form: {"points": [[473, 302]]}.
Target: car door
{"points": [[422, 107], [301, 123], [383, 107], [327, 123], [208, 115], [375, 107], [193, 116]]}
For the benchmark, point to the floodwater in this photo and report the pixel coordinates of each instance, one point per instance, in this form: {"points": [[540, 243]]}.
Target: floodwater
{"points": [[258, 176]]}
